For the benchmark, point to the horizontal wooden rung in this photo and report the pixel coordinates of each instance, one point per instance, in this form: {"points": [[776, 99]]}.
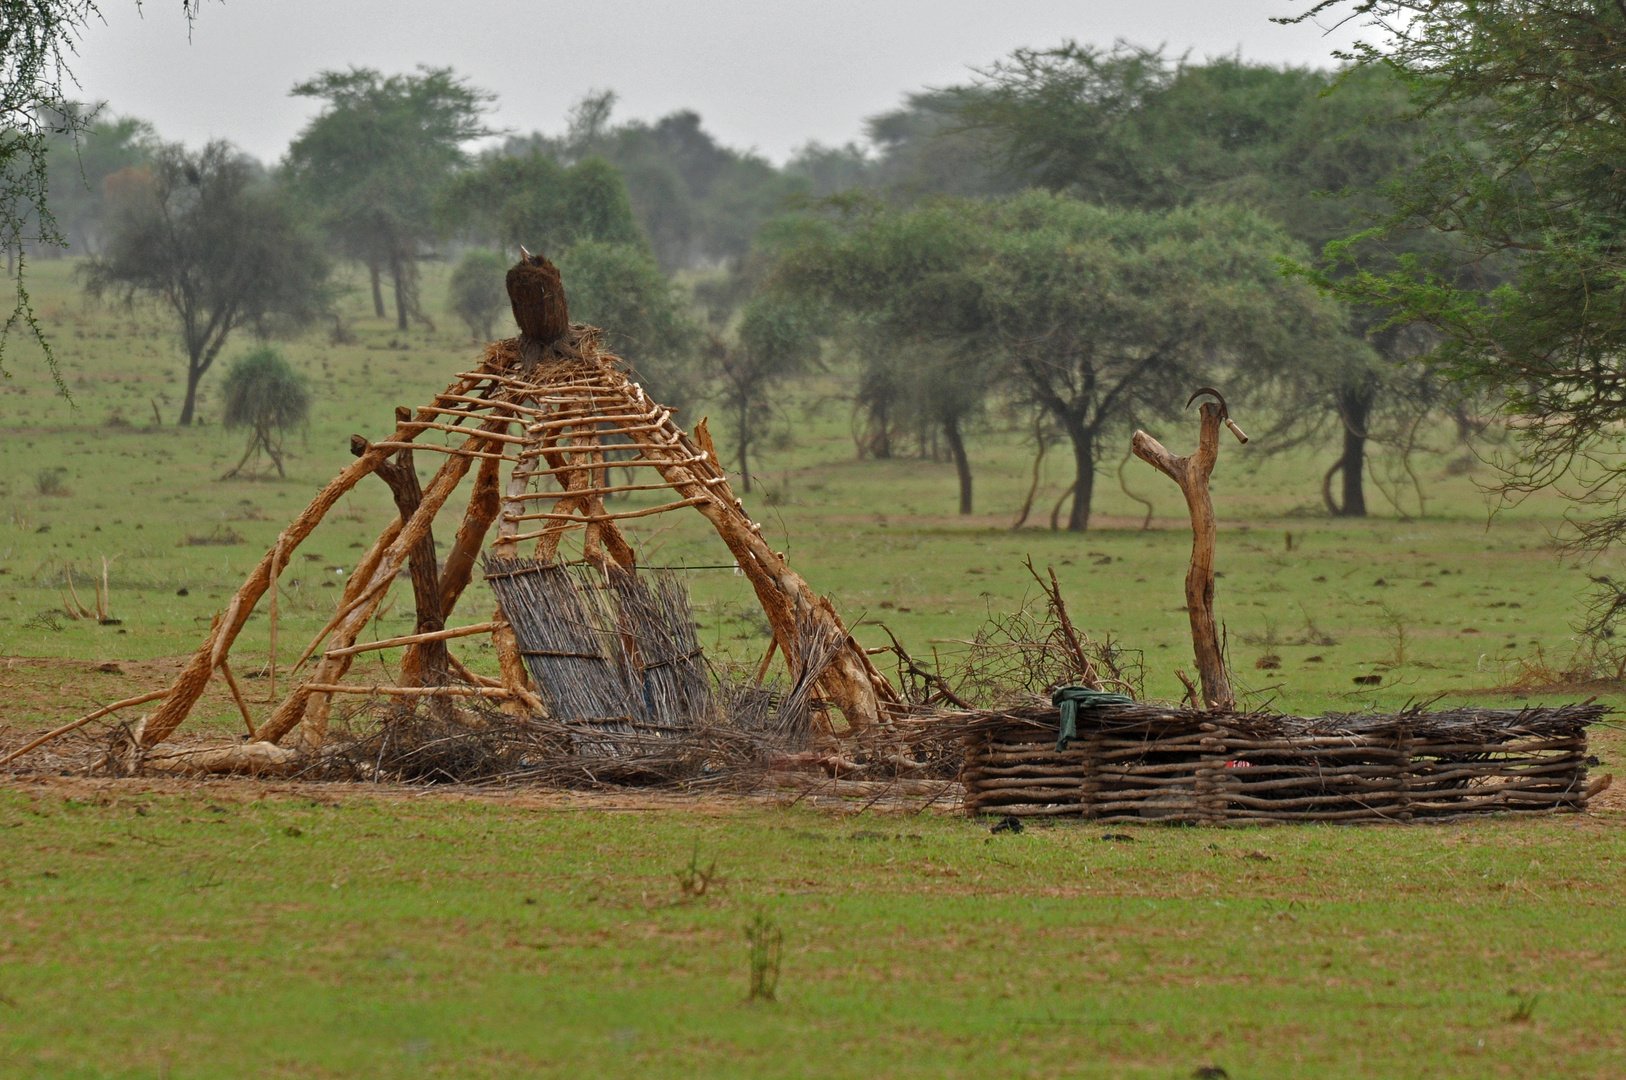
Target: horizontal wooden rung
{"points": [[415, 639], [410, 691], [581, 492], [458, 450], [585, 518], [496, 435]]}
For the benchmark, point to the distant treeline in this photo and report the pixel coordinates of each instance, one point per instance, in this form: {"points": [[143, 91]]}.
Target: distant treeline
{"points": [[1067, 246]]}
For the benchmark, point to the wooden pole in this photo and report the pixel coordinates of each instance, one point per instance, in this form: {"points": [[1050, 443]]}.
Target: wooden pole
{"points": [[425, 666], [141, 699], [414, 639], [189, 685], [237, 696], [276, 571], [1192, 474]]}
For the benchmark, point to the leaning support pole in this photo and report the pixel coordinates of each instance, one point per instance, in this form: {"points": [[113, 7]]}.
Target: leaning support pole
{"points": [[1192, 474], [189, 685], [427, 665], [344, 630]]}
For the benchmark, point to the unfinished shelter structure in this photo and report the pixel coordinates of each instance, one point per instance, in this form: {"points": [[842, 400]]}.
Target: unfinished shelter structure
{"points": [[541, 422]]}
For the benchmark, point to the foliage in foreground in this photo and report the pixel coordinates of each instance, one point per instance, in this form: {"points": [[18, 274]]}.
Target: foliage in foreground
{"points": [[1523, 183]]}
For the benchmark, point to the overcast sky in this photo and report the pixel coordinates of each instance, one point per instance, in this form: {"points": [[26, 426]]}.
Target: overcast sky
{"points": [[763, 74]]}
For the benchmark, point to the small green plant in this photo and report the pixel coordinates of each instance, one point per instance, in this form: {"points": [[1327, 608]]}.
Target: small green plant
{"points": [[767, 943], [1525, 1008], [1399, 633], [693, 880]]}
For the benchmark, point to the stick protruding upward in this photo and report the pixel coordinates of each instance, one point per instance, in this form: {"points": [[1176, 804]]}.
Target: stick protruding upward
{"points": [[1192, 473]]}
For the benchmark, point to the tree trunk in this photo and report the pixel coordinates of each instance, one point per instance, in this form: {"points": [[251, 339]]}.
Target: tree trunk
{"points": [[428, 663], [1192, 474], [962, 465], [1084, 485], [194, 375], [744, 440], [398, 273], [1354, 410], [378, 289], [1353, 468]]}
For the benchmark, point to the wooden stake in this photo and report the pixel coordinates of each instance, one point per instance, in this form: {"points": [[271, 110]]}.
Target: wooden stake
{"points": [[276, 571], [767, 658], [1192, 474], [237, 696]]}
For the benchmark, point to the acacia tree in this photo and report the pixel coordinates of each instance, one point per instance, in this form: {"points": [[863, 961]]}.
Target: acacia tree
{"points": [[903, 281], [372, 160], [1526, 182], [534, 201], [1306, 148], [1110, 318], [206, 238], [1101, 318]]}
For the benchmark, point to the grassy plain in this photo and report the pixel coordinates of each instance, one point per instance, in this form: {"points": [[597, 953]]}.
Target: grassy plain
{"points": [[231, 929], [1438, 603]]}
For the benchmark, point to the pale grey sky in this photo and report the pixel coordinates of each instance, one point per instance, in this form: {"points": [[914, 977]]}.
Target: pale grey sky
{"points": [[765, 75]]}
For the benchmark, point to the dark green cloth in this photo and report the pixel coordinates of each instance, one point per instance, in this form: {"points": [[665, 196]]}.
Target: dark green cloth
{"points": [[1069, 698]]}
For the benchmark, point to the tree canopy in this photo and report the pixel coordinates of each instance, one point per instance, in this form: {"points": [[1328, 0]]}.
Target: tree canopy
{"points": [[1528, 299], [1103, 318], [1312, 150], [535, 201], [203, 236], [372, 161]]}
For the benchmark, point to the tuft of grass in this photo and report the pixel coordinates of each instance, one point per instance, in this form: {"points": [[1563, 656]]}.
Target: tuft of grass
{"points": [[767, 943], [52, 483], [1525, 1009]]}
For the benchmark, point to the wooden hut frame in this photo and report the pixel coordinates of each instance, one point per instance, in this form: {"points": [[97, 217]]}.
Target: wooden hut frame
{"points": [[557, 418]]}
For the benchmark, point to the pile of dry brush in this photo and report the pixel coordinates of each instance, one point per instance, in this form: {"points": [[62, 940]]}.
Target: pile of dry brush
{"points": [[750, 730]]}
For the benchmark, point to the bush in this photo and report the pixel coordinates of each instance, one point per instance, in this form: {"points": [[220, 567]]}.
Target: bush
{"points": [[479, 294], [264, 394]]}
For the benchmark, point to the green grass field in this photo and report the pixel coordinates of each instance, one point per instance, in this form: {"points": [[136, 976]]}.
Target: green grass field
{"points": [[225, 934], [236, 929]]}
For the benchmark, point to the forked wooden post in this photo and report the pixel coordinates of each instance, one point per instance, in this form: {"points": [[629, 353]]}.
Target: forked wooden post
{"points": [[1192, 474]]}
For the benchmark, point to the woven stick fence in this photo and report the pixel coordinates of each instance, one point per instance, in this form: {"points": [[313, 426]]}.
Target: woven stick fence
{"points": [[1136, 762], [618, 655], [566, 639], [660, 646]]}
